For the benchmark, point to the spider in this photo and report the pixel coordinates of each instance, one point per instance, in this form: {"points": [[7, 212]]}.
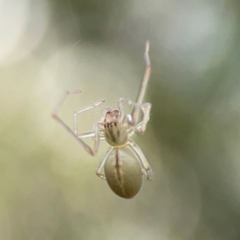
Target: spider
{"points": [[124, 163]]}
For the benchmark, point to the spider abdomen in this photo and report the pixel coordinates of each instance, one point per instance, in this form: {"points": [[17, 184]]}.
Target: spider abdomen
{"points": [[115, 134], [123, 172]]}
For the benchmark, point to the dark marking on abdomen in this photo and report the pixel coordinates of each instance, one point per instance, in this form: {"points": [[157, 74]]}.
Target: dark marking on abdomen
{"points": [[117, 165]]}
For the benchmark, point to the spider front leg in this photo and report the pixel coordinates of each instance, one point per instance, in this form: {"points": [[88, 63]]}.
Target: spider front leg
{"points": [[120, 108], [125, 119], [96, 133], [74, 134], [141, 126], [142, 90]]}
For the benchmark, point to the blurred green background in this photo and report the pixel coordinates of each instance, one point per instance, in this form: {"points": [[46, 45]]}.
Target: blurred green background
{"points": [[48, 186]]}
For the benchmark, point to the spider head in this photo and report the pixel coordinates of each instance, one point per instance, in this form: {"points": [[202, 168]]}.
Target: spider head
{"points": [[112, 118]]}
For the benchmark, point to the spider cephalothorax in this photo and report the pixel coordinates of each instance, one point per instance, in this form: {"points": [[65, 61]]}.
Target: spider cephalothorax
{"points": [[114, 131], [124, 163]]}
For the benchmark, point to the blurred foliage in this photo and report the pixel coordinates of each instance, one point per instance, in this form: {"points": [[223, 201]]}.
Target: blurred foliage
{"points": [[48, 185]]}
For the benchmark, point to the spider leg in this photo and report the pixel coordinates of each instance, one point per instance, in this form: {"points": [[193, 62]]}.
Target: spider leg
{"points": [[97, 135], [146, 166], [128, 119], [142, 90], [141, 127], [98, 130], [120, 108], [101, 164], [59, 120], [125, 119], [75, 115], [91, 135]]}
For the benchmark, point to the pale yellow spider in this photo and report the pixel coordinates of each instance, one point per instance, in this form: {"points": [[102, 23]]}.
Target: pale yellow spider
{"points": [[124, 163]]}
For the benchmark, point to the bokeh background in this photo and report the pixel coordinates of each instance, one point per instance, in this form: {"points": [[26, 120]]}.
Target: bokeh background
{"points": [[48, 186]]}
